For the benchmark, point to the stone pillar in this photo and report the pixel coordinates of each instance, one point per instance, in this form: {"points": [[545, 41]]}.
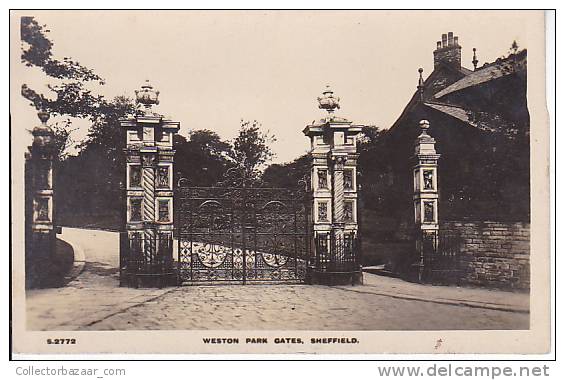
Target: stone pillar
{"points": [[147, 242], [425, 195], [334, 155], [39, 213]]}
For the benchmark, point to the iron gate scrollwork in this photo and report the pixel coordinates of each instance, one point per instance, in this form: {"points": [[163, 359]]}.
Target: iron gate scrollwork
{"points": [[242, 235]]}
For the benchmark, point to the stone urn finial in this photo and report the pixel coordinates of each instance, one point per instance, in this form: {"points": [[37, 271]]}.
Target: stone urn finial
{"points": [[43, 116], [42, 133], [147, 96], [328, 101]]}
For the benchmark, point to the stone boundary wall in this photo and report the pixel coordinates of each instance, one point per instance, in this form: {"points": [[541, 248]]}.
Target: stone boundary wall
{"points": [[494, 254]]}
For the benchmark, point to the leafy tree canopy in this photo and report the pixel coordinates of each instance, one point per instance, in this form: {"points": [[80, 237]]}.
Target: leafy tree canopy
{"points": [[69, 97], [251, 150]]}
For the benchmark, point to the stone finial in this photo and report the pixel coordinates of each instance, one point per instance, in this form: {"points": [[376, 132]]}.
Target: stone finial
{"points": [[475, 60], [421, 84], [43, 116], [147, 95], [42, 134], [424, 126], [425, 144], [328, 101]]}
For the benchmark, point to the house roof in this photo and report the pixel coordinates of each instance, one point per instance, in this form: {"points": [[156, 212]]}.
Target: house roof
{"points": [[437, 86], [451, 110], [465, 70], [466, 115], [441, 77], [493, 71]]}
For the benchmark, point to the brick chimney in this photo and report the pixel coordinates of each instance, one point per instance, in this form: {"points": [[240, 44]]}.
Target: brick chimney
{"points": [[448, 51]]}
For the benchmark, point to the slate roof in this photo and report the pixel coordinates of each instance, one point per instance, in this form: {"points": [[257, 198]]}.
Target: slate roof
{"points": [[465, 70], [454, 111], [460, 113], [496, 70]]}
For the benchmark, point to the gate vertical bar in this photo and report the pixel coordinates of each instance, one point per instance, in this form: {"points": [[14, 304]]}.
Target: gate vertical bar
{"points": [[295, 247], [244, 231]]}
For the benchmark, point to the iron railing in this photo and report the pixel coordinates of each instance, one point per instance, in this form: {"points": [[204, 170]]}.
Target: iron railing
{"points": [[440, 255], [147, 259], [337, 252]]}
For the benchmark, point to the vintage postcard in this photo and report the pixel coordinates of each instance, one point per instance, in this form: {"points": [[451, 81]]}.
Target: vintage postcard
{"points": [[193, 182]]}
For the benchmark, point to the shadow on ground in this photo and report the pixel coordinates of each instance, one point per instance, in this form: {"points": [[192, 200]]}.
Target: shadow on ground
{"points": [[102, 269]]}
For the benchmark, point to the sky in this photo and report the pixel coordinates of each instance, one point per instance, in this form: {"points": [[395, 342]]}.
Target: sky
{"points": [[215, 68]]}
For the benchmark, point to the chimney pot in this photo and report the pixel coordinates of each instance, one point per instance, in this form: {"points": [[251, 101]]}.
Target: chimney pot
{"points": [[448, 51]]}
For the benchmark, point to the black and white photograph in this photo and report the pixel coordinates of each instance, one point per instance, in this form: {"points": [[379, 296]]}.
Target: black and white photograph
{"points": [[279, 181]]}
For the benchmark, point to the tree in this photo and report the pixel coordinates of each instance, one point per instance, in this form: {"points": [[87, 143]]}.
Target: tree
{"points": [[514, 47], [251, 150], [62, 138], [69, 97], [202, 159], [90, 183], [287, 175], [105, 133], [370, 137]]}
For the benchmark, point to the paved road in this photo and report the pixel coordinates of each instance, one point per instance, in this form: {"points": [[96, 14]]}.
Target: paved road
{"points": [[93, 301]]}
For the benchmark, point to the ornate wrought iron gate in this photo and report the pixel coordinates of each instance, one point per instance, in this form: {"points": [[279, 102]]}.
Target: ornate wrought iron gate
{"points": [[241, 235]]}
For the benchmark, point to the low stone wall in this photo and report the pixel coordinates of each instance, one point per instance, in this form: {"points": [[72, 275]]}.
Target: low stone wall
{"points": [[495, 254]]}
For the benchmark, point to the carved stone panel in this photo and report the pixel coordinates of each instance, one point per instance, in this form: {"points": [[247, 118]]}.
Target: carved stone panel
{"points": [[322, 179], [42, 209], [135, 176], [348, 179], [323, 211], [163, 215], [428, 179], [429, 216], [163, 177], [348, 211], [135, 210]]}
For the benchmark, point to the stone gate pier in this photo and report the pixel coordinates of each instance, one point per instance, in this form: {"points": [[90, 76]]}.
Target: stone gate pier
{"points": [[146, 243], [334, 201], [40, 229], [426, 199]]}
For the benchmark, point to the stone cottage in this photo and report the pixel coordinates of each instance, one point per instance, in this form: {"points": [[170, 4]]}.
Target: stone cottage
{"points": [[480, 121]]}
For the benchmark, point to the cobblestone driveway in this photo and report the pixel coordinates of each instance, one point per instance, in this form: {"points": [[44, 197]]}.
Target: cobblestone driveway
{"points": [[95, 302]]}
